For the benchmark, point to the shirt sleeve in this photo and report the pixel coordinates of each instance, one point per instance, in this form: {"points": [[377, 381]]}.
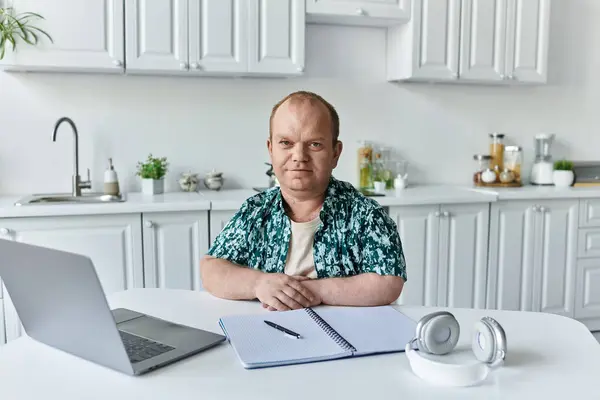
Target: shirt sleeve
{"points": [[232, 242], [382, 251]]}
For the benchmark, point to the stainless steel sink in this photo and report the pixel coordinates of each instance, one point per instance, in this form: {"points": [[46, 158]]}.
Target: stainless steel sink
{"points": [[68, 198]]}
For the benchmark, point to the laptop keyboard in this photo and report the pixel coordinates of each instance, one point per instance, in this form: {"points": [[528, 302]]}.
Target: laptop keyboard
{"points": [[140, 349]]}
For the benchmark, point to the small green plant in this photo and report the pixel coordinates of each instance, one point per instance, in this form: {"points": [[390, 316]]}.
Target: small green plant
{"points": [[152, 168], [14, 26], [563, 165]]}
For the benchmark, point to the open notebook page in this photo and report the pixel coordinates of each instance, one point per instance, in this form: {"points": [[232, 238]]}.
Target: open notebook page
{"points": [[371, 329], [259, 345]]}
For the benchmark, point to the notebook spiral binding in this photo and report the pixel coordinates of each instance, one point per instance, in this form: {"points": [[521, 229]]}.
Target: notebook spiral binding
{"points": [[343, 343]]}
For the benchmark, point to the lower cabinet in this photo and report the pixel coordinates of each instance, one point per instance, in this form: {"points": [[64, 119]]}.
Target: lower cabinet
{"points": [[218, 220], [445, 247], [533, 254], [174, 243], [113, 242]]}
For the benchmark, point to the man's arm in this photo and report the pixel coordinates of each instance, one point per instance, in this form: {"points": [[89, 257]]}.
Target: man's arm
{"points": [[382, 270], [368, 289]]}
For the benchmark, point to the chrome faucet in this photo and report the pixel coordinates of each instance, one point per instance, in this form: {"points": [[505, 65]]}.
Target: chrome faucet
{"points": [[77, 183]]}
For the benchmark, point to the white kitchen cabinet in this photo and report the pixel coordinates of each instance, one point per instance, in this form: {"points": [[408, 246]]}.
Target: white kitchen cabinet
{"points": [[472, 41], [215, 37], [528, 29], [218, 220], [587, 289], [533, 254], [156, 35], [276, 34], [113, 242], [358, 12], [446, 254], [2, 330], [174, 243], [87, 36], [218, 36]]}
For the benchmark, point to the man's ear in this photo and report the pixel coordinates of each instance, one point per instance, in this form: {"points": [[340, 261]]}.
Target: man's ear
{"points": [[337, 151], [270, 147]]}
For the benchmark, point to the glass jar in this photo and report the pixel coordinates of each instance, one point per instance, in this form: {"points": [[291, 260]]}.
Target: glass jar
{"points": [[497, 151], [483, 167], [365, 165], [513, 159]]}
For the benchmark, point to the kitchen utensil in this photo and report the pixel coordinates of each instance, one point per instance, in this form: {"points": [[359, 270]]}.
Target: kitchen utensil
{"points": [[543, 168]]}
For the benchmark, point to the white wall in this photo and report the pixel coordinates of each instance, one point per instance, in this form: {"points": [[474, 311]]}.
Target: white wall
{"points": [[201, 124]]}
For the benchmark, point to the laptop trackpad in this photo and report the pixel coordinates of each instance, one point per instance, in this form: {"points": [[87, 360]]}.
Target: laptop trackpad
{"points": [[158, 330]]}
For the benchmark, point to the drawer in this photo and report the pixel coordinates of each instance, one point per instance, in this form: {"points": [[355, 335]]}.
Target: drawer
{"points": [[588, 243], [589, 213]]}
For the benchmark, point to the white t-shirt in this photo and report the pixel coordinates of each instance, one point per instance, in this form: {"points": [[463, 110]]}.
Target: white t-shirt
{"points": [[300, 260]]}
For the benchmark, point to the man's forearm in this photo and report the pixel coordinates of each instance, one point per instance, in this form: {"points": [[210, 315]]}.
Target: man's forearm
{"points": [[361, 290], [227, 280]]}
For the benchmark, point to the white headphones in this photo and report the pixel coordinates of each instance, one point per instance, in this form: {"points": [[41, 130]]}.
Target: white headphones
{"points": [[437, 333]]}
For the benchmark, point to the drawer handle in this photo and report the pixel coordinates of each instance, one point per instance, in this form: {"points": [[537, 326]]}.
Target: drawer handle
{"points": [[4, 231], [149, 224]]}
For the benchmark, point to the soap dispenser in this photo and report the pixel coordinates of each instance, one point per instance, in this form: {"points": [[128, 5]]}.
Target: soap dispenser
{"points": [[111, 182]]}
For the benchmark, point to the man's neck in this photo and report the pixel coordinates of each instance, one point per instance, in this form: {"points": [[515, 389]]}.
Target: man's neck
{"points": [[302, 208]]}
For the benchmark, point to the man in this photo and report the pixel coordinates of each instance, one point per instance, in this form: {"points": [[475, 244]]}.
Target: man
{"points": [[314, 239]]}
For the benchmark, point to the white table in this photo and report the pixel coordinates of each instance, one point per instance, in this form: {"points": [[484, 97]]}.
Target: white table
{"points": [[548, 357]]}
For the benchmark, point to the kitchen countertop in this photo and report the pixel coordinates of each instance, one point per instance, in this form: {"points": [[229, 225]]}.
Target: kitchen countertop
{"points": [[231, 200]]}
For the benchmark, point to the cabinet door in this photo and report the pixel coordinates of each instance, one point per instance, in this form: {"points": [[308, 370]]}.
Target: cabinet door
{"points": [[174, 243], [86, 36], [2, 331], [113, 242], [157, 35], [419, 231], [276, 35], [218, 220], [435, 46], [483, 40], [218, 36], [528, 30], [511, 255], [359, 12], [556, 257], [587, 289], [462, 270]]}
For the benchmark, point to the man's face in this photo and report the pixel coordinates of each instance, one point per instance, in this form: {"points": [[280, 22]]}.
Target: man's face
{"points": [[302, 150]]}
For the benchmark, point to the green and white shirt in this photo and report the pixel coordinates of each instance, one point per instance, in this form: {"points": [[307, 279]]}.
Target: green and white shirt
{"points": [[355, 235]]}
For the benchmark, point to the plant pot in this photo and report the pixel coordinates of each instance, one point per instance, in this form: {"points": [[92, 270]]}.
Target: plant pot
{"points": [[153, 186], [563, 178]]}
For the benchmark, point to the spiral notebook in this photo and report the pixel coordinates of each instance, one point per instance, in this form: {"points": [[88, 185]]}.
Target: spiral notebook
{"points": [[327, 333]]}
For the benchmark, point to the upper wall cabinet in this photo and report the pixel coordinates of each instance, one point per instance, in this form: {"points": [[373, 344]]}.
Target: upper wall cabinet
{"points": [[358, 12], [86, 36], [215, 37], [472, 41]]}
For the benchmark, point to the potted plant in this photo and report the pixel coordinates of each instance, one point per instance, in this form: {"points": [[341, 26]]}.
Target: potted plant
{"points": [[17, 26], [152, 172], [563, 175]]}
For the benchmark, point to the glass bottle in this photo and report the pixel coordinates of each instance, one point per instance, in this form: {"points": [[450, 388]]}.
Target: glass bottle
{"points": [[497, 152], [365, 167]]}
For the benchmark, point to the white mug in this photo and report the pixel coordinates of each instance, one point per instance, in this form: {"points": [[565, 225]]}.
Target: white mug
{"points": [[379, 186]]}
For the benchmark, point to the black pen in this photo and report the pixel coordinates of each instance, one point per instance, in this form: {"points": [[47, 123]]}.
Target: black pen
{"points": [[284, 330]]}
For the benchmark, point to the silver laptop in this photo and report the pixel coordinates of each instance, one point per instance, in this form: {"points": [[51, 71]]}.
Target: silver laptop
{"points": [[60, 302]]}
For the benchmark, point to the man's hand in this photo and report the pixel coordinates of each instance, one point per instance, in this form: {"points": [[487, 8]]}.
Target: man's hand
{"points": [[282, 292]]}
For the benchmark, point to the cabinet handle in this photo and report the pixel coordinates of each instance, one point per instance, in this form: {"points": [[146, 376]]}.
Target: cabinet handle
{"points": [[300, 69], [149, 224], [183, 65], [117, 63], [535, 208], [360, 11], [542, 209], [446, 214], [4, 231], [437, 214], [195, 66], [503, 77]]}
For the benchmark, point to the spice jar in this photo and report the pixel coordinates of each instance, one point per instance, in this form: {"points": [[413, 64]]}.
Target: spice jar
{"points": [[365, 165], [497, 151], [513, 158], [482, 175]]}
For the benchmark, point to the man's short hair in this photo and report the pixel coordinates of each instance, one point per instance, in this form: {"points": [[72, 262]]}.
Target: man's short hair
{"points": [[311, 97]]}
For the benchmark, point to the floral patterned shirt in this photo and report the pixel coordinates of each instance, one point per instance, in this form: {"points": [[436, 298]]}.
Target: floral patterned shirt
{"points": [[355, 235]]}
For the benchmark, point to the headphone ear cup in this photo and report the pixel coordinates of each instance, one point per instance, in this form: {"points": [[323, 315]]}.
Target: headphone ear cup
{"points": [[440, 334], [488, 339]]}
